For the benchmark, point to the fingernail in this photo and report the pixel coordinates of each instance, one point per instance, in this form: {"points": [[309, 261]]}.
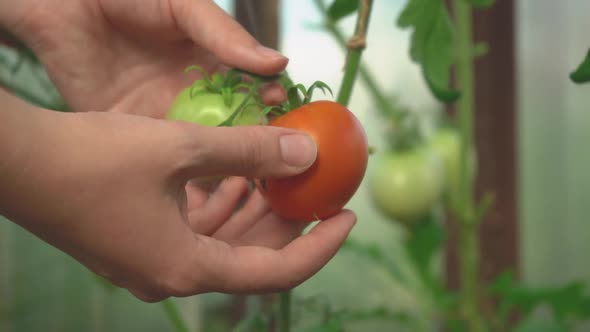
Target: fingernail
{"points": [[269, 52], [298, 150]]}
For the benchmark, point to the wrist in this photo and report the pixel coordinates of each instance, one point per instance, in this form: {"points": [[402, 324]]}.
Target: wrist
{"points": [[22, 136]]}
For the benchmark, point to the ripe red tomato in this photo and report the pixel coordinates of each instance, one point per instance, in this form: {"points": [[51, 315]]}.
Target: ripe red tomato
{"points": [[325, 188]]}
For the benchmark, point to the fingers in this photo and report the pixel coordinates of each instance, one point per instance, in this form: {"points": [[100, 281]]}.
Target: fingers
{"points": [[248, 151], [259, 270], [219, 207], [212, 28], [255, 209], [273, 232], [272, 94]]}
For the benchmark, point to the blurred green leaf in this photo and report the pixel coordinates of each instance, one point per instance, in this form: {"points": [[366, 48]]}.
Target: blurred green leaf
{"points": [[104, 283], [582, 73], [481, 3], [425, 240], [431, 44], [534, 325], [456, 325], [375, 254], [378, 313], [565, 302], [332, 325], [256, 322], [342, 8]]}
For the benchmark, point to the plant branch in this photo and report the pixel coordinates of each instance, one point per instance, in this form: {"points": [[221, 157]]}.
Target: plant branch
{"points": [[285, 311], [174, 316], [384, 105], [355, 47], [468, 230]]}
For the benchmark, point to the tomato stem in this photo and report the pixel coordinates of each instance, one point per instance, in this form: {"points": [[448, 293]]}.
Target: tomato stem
{"points": [[230, 120], [386, 105], [355, 47], [468, 228], [174, 316], [285, 312]]}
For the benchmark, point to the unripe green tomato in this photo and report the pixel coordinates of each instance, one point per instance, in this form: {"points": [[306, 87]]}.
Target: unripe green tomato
{"points": [[447, 143], [406, 185], [209, 109]]}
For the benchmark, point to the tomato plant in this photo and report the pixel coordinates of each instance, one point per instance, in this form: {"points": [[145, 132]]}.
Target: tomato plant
{"points": [[405, 185], [211, 101], [446, 142], [342, 155], [209, 109]]}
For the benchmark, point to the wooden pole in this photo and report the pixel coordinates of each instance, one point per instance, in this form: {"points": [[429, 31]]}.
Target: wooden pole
{"points": [[496, 139]]}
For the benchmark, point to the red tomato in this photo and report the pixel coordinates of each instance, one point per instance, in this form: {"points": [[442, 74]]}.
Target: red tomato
{"points": [[325, 188]]}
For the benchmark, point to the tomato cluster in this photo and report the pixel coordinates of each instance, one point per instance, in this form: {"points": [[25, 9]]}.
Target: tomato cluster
{"points": [[342, 151], [407, 183]]}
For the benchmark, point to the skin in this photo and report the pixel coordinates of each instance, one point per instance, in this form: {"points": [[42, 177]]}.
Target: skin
{"points": [[110, 183]]}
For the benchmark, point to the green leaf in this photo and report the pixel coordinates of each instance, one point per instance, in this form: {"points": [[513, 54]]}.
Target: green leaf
{"points": [[332, 325], [582, 73], [481, 3], [530, 324], [316, 85], [256, 322], [342, 8], [431, 44], [426, 239], [566, 302], [293, 96], [375, 254], [104, 283]]}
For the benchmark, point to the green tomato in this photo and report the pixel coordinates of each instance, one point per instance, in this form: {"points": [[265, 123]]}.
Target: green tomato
{"points": [[406, 185], [209, 109], [447, 143]]}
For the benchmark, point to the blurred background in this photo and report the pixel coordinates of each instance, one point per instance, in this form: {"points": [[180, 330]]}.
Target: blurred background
{"points": [[43, 290]]}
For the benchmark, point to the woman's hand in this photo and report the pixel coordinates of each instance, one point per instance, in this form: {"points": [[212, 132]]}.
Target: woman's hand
{"points": [[109, 190]]}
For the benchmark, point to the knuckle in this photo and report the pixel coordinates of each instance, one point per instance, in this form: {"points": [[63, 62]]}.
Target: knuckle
{"points": [[180, 281], [253, 152]]}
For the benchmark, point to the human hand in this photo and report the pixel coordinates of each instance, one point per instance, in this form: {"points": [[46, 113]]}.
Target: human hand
{"points": [[109, 190], [129, 56]]}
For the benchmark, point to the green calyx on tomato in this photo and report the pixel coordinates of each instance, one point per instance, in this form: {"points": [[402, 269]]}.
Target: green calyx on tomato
{"points": [[218, 100], [294, 100]]}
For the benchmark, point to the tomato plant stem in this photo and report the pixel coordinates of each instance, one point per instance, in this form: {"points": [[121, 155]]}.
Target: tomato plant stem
{"points": [[174, 316], [468, 230], [6, 273], [285, 312], [383, 103], [355, 47]]}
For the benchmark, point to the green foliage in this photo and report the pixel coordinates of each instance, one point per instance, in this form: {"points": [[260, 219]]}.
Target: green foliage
{"points": [[342, 8], [426, 239], [565, 303], [582, 73], [431, 44], [255, 323]]}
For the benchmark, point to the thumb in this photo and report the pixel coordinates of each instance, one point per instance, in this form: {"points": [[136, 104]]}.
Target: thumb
{"points": [[249, 151], [212, 28]]}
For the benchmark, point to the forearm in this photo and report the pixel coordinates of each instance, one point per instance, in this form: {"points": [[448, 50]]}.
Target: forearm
{"points": [[19, 138]]}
